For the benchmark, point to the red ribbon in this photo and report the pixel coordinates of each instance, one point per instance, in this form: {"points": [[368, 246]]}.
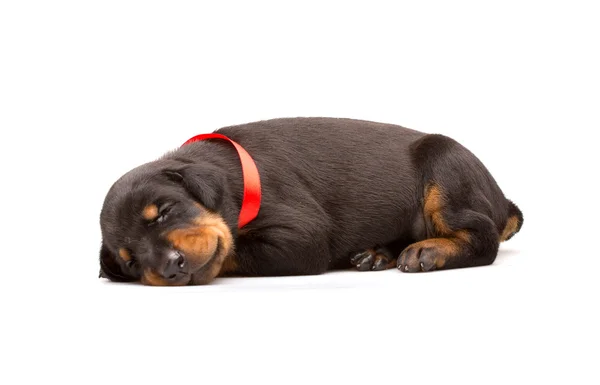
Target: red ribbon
{"points": [[251, 178]]}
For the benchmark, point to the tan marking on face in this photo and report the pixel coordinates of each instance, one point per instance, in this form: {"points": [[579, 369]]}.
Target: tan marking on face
{"points": [[150, 212], [151, 278], [198, 243], [201, 241], [433, 206], [511, 227], [124, 254]]}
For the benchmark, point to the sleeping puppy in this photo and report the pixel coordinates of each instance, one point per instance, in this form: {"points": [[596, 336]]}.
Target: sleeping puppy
{"points": [[336, 193]]}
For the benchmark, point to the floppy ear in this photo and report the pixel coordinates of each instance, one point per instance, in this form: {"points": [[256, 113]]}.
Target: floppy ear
{"points": [[110, 268], [206, 183]]}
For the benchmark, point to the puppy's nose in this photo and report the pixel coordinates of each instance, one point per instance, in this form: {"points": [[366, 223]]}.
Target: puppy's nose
{"points": [[175, 265]]}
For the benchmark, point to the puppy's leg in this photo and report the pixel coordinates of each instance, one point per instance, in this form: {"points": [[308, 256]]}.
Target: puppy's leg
{"points": [[291, 241], [459, 237], [463, 208]]}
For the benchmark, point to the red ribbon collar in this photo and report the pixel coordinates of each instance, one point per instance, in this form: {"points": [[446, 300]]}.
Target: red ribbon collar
{"points": [[252, 191]]}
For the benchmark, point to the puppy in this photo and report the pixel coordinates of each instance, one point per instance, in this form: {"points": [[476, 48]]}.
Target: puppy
{"points": [[335, 193]]}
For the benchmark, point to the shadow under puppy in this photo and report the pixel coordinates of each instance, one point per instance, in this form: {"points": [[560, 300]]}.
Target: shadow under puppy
{"points": [[336, 193]]}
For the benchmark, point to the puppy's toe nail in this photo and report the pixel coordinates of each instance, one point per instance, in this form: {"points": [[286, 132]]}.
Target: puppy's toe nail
{"points": [[422, 266], [357, 258], [406, 268], [378, 265]]}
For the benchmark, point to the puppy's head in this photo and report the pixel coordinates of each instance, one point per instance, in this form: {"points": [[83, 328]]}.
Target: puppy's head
{"points": [[161, 225]]}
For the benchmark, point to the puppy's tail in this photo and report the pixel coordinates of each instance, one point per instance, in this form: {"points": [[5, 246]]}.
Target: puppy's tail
{"points": [[514, 222]]}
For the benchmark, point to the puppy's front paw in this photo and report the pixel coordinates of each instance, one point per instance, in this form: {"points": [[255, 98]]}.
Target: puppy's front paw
{"points": [[372, 260]]}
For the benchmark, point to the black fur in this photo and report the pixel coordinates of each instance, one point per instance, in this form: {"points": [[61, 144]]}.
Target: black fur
{"points": [[331, 188]]}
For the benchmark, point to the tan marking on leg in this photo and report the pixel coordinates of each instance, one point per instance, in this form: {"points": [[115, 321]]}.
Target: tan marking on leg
{"points": [[511, 227], [433, 206], [462, 235], [150, 212], [451, 242], [446, 248]]}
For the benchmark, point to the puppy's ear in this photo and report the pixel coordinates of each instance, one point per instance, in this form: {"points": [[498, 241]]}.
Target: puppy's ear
{"points": [[110, 268], [205, 183]]}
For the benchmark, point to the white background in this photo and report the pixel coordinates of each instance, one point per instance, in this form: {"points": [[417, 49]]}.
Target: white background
{"points": [[89, 90]]}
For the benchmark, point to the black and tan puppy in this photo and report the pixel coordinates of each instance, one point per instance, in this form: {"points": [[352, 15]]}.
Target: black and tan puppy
{"points": [[335, 193]]}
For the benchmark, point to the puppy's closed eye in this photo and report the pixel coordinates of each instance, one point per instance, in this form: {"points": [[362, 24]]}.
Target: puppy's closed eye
{"points": [[158, 215]]}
